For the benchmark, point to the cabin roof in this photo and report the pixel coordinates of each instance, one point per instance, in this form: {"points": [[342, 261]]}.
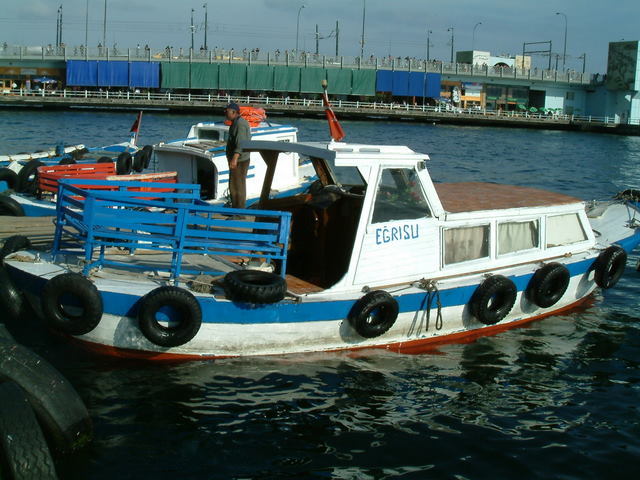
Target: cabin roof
{"points": [[342, 153], [476, 196]]}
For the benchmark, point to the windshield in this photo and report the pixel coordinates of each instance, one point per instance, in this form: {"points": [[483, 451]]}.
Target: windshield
{"points": [[346, 176]]}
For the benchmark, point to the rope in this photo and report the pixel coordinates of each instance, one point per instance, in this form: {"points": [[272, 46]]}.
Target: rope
{"points": [[432, 294]]}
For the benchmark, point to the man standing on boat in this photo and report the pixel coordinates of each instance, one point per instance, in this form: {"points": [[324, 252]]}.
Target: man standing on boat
{"points": [[239, 131]]}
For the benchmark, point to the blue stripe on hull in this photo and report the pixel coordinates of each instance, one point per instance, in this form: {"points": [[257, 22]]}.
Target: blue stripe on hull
{"points": [[214, 311]]}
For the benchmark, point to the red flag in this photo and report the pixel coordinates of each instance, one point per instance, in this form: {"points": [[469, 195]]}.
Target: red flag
{"points": [[335, 129], [135, 128]]}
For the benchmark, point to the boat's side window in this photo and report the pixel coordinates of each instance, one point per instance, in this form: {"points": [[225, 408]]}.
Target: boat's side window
{"points": [[466, 243], [518, 236], [399, 196], [564, 230]]}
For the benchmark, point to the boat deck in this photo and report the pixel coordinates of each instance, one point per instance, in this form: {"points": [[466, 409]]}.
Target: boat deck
{"points": [[477, 196]]}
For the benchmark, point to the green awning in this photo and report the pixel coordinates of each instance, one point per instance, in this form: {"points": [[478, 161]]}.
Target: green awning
{"points": [[259, 77], [174, 75], [204, 75], [286, 79], [339, 81], [363, 82], [233, 76], [311, 79]]}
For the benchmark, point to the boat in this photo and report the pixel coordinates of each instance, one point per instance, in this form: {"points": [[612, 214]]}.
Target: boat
{"points": [[374, 255], [200, 158]]}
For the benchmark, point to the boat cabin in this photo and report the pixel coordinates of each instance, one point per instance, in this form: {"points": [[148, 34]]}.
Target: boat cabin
{"points": [[201, 159], [374, 217]]}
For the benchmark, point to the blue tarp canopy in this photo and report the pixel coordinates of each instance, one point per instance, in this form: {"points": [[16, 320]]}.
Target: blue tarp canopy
{"points": [[384, 81], [400, 84], [144, 74], [82, 73], [113, 74]]}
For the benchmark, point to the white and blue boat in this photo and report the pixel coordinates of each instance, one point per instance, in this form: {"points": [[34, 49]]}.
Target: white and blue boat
{"points": [[373, 255]]}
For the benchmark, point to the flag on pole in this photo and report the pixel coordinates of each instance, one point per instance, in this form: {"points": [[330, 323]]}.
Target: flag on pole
{"points": [[135, 128], [335, 129]]}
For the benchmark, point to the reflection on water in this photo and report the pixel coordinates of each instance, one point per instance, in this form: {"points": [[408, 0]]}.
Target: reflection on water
{"points": [[556, 399]]}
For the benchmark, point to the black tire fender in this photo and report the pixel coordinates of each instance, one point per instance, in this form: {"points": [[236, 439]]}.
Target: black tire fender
{"points": [[67, 160], [9, 176], [177, 299], [609, 266], [548, 285], [28, 177], [71, 285], [13, 244], [23, 448], [493, 299], [148, 151], [9, 207], [11, 301], [254, 286], [123, 164], [374, 314], [138, 161], [59, 408]]}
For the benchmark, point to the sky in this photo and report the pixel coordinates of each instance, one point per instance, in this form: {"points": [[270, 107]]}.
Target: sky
{"points": [[397, 28]]}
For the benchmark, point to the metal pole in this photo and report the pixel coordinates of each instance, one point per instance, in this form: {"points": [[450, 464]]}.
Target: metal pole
{"points": [[61, 25], [298, 27], [584, 62], [193, 29], [317, 40], [473, 37], [564, 52], [86, 27], [450, 29], [104, 26], [205, 26], [58, 28], [429, 32], [337, 37], [364, 11]]}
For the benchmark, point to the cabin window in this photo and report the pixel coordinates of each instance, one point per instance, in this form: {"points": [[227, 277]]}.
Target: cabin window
{"points": [[462, 244], [399, 196], [564, 230], [517, 236]]}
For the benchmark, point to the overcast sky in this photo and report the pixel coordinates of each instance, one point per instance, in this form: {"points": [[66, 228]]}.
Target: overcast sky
{"points": [[392, 27]]}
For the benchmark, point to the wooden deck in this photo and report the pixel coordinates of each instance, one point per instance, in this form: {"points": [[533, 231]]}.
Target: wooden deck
{"points": [[37, 229], [476, 196]]}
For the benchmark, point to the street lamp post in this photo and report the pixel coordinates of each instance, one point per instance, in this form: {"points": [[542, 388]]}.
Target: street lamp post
{"points": [[450, 29], [104, 26], [193, 29], [205, 27], [473, 37], [564, 52], [364, 10], [86, 27], [298, 27], [429, 32]]}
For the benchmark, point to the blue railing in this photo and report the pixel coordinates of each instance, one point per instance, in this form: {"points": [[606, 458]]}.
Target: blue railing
{"points": [[174, 222]]}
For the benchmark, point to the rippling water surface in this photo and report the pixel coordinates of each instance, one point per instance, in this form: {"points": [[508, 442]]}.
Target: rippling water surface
{"points": [[556, 399]]}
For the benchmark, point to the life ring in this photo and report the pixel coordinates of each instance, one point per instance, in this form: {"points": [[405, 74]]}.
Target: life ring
{"points": [[22, 443], [139, 161], [175, 299], [15, 243], [11, 300], [548, 285], [67, 160], [60, 410], [9, 207], [72, 287], [28, 177], [493, 299], [148, 151], [254, 286], [105, 160], [609, 266], [123, 164], [373, 314], [10, 177]]}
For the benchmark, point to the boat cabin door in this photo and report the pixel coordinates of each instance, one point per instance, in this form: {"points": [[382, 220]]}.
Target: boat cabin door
{"points": [[401, 236]]}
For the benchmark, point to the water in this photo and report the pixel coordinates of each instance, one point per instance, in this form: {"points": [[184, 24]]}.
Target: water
{"points": [[556, 399]]}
